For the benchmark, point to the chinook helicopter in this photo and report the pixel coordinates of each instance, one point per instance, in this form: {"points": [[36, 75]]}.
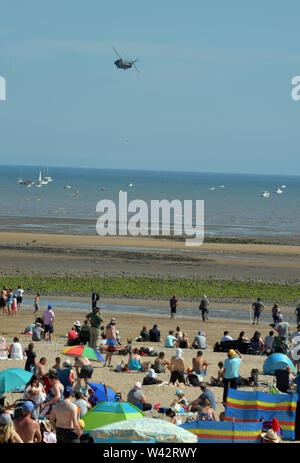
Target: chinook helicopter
{"points": [[122, 64]]}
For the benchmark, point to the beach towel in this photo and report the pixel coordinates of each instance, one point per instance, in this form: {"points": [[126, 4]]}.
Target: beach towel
{"points": [[251, 407]]}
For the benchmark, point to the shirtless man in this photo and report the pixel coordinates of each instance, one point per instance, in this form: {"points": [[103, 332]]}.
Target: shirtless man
{"points": [[63, 418], [27, 428], [199, 364], [177, 368], [84, 370], [111, 337]]}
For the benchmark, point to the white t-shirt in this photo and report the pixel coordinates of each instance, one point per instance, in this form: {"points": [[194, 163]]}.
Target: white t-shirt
{"points": [[19, 292], [16, 351]]}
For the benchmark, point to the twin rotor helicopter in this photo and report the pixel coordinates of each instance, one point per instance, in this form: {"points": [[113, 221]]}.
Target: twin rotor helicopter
{"points": [[125, 64]]}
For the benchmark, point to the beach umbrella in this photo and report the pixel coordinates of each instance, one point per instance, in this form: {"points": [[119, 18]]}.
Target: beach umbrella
{"points": [[12, 378], [104, 393], [143, 430], [277, 361], [84, 351], [110, 412]]}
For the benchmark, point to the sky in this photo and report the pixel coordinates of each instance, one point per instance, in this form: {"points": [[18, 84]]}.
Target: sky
{"points": [[213, 93]]}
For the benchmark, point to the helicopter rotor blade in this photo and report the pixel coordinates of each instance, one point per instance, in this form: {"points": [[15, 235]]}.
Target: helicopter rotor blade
{"points": [[116, 52]]}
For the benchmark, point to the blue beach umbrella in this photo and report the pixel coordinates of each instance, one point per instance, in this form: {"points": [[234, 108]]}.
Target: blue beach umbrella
{"points": [[104, 393], [12, 378]]}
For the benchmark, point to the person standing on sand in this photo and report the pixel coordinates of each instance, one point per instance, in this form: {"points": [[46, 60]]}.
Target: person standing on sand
{"points": [[111, 337], [231, 371], [27, 428], [3, 298], [173, 306], [84, 371], [19, 294], [64, 420], [257, 307], [48, 317], [203, 307], [36, 304], [95, 318]]}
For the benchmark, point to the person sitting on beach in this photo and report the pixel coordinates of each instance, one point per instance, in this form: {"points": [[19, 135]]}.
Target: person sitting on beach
{"points": [[8, 434], [160, 363], [4, 349], [226, 337], [199, 341], [35, 392], [57, 364], [16, 350], [77, 326], [257, 343], [151, 378], [180, 400], [170, 413], [218, 381], [84, 334], [29, 328], [134, 362], [242, 337], [136, 397], [199, 364], [92, 400], [72, 337], [144, 335], [83, 404], [27, 428], [37, 332], [206, 412], [154, 334], [177, 368], [268, 342], [178, 333], [184, 342], [170, 339], [66, 374], [206, 393]]}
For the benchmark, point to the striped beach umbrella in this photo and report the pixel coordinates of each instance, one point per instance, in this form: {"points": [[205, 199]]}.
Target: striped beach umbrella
{"points": [[84, 351], [110, 412]]}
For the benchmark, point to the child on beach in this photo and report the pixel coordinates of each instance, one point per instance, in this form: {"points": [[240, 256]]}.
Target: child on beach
{"points": [[36, 303]]}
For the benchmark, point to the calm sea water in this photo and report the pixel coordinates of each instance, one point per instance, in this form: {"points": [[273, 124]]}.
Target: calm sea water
{"points": [[236, 209]]}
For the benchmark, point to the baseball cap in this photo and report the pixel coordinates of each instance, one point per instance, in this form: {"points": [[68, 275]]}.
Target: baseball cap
{"points": [[231, 352], [5, 418], [138, 385], [27, 406], [50, 306], [178, 392], [68, 391]]}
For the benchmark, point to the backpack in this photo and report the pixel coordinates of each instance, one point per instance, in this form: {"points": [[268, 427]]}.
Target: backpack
{"points": [[193, 379], [97, 297]]}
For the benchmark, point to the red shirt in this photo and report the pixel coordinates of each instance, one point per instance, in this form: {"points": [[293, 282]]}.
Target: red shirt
{"points": [[72, 335]]}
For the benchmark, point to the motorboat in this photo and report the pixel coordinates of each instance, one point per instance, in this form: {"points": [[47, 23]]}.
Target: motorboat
{"points": [[212, 188], [67, 187], [265, 194], [278, 191]]}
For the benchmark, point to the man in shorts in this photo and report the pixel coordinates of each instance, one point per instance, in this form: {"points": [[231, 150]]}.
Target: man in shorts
{"points": [[64, 419], [257, 307], [173, 306], [19, 294], [84, 371], [111, 343], [48, 317]]}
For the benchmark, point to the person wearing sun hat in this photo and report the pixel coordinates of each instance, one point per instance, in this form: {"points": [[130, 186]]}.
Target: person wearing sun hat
{"points": [[231, 371], [270, 437]]}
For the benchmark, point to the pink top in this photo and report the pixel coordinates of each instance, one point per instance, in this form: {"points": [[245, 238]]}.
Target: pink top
{"points": [[48, 316]]}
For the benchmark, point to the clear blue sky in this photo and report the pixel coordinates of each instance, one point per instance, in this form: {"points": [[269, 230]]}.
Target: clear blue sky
{"points": [[213, 93]]}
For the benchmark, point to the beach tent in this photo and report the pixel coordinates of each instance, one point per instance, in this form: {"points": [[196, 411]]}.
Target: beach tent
{"points": [[110, 412], [277, 362], [255, 406], [104, 393], [13, 378], [220, 432], [143, 430]]}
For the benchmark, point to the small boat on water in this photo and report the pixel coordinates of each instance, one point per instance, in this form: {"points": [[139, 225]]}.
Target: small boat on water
{"points": [[265, 194], [212, 188], [283, 186], [76, 193], [130, 184], [67, 187], [278, 191]]}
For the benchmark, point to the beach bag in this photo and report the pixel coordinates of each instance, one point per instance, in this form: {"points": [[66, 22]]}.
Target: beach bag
{"points": [[193, 379]]}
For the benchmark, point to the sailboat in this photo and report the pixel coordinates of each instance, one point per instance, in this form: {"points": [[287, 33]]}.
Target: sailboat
{"points": [[47, 177], [40, 181]]}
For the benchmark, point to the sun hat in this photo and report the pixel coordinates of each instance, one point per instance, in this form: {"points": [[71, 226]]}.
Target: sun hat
{"points": [[5, 418], [27, 406], [271, 435], [138, 385], [66, 363], [47, 424], [77, 323], [231, 353]]}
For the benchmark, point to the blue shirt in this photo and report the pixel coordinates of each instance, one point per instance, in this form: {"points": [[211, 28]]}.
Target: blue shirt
{"points": [[170, 341], [232, 367], [208, 394]]}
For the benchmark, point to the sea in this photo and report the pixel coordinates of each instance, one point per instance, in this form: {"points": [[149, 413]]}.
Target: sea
{"points": [[233, 206]]}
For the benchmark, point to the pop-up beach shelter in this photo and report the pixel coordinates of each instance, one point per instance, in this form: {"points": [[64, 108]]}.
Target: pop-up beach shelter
{"points": [[277, 361], [104, 393]]}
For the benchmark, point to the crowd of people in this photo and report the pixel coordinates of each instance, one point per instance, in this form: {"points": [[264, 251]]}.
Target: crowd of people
{"points": [[56, 399]]}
